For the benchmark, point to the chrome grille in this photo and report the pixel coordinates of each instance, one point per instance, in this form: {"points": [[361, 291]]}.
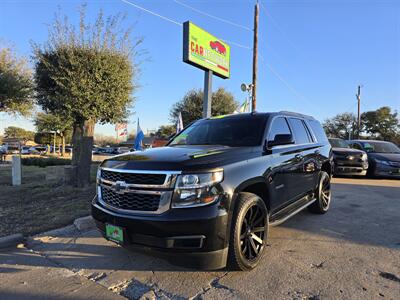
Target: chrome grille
{"points": [[136, 191], [134, 178], [130, 201]]}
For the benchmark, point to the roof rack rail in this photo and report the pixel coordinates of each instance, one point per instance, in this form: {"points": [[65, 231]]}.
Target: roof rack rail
{"points": [[294, 114]]}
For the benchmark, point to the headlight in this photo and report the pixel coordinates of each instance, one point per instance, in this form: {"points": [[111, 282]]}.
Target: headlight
{"points": [[382, 162], [98, 175], [364, 156], [197, 189]]}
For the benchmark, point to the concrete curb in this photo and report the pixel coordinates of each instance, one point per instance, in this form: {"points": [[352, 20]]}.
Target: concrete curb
{"points": [[11, 240], [85, 223]]}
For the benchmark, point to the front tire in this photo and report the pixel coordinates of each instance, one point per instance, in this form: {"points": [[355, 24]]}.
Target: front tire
{"points": [[249, 232], [323, 195]]}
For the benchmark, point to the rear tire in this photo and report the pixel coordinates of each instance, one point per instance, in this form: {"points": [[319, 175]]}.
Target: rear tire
{"points": [[323, 195], [249, 232]]}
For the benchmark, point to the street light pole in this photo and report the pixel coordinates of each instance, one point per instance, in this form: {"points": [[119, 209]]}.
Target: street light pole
{"points": [[358, 95], [54, 146]]}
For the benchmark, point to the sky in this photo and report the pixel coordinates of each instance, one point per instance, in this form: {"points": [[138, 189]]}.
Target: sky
{"points": [[313, 53]]}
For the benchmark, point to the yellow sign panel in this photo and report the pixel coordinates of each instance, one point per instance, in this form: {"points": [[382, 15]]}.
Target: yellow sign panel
{"points": [[205, 51]]}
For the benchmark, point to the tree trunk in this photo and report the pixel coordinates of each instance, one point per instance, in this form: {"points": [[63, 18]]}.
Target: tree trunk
{"points": [[82, 152]]}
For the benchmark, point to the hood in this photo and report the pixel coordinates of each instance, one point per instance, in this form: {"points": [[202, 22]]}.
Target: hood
{"points": [[385, 156], [344, 151], [179, 158]]}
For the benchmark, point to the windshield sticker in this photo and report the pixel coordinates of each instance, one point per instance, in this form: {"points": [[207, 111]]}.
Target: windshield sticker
{"points": [[217, 117], [202, 154]]}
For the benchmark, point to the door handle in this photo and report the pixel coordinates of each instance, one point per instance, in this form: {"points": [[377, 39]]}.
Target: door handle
{"points": [[309, 167], [298, 157]]}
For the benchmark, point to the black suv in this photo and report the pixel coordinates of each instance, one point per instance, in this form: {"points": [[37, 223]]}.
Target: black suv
{"points": [[348, 161], [209, 196]]}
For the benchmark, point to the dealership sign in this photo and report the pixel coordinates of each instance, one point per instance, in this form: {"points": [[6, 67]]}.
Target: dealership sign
{"points": [[205, 51]]}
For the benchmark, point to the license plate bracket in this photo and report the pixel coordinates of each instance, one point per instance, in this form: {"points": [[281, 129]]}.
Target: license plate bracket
{"points": [[115, 233]]}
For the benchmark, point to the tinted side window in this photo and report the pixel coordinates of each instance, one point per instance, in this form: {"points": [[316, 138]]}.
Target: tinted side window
{"points": [[300, 131], [279, 126], [318, 130], [356, 146]]}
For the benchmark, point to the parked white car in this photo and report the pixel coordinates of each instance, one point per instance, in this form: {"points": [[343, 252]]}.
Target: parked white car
{"points": [[25, 150]]}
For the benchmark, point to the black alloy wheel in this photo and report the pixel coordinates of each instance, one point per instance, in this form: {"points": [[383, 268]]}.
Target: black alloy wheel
{"points": [[252, 232], [249, 232], [323, 195], [326, 192]]}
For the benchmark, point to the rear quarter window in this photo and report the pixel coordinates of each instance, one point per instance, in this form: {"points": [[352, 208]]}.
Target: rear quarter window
{"points": [[318, 131], [300, 132]]}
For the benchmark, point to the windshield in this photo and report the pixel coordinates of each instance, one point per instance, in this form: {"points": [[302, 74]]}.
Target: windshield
{"points": [[338, 143], [380, 147], [227, 131]]}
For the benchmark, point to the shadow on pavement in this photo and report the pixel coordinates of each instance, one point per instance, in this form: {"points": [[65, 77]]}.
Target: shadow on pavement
{"points": [[362, 214], [366, 215]]}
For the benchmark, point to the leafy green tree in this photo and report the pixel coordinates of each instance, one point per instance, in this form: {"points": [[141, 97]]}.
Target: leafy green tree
{"points": [[381, 123], [341, 126], [48, 123], [191, 106], [17, 132], [86, 75], [16, 84], [165, 131]]}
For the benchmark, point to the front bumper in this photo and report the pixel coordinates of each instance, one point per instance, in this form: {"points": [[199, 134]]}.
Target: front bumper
{"points": [[350, 170], [350, 167], [194, 237], [386, 171]]}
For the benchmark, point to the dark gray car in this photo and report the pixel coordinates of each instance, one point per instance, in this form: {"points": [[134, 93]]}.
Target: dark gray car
{"points": [[383, 157]]}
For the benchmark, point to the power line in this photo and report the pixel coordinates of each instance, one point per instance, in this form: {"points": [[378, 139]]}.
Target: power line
{"points": [[212, 16], [277, 25], [293, 90], [152, 13], [237, 44], [178, 23], [280, 77]]}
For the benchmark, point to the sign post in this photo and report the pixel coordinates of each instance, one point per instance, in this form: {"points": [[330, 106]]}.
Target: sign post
{"points": [[16, 170], [207, 93], [205, 51]]}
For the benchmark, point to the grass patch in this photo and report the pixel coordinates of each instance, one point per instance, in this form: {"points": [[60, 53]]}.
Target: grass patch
{"points": [[40, 204]]}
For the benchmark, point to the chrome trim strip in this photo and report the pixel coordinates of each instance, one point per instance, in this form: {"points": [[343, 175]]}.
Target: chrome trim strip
{"points": [[141, 171], [280, 221], [169, 181], [131, 191]]}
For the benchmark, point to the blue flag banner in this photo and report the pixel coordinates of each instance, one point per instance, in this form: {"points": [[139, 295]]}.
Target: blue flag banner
{"points": [[139, 138], [179, 124]]}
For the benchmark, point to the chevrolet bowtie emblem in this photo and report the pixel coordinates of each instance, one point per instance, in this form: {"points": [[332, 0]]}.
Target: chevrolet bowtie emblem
{"points": [[120, 187]]}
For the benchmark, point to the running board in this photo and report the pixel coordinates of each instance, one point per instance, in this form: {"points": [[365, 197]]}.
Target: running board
{"points": [[280, 221]]}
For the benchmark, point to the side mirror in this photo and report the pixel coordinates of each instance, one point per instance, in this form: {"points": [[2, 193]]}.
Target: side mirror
{"points": [[281, 139]]}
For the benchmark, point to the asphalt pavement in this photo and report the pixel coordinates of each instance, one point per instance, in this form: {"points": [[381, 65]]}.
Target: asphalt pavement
{"points": [[352, 252]]}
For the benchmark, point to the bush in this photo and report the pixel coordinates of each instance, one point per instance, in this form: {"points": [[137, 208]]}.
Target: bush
{"points": [[43, 162]]}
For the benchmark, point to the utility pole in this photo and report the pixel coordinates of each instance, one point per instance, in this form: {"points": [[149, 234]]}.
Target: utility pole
{"points": [[255, 58], [358, 95]]}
